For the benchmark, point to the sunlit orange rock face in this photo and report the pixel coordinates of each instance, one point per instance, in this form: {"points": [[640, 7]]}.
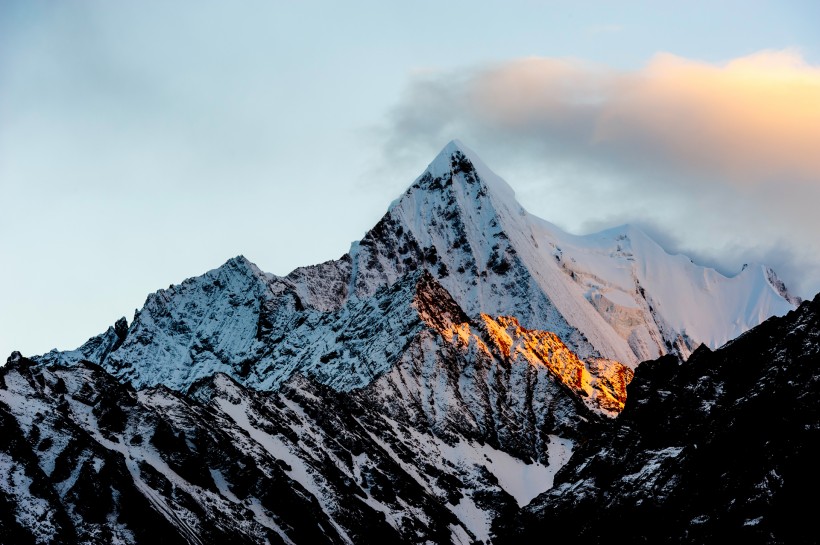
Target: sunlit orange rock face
{"points": [[600, 383]]}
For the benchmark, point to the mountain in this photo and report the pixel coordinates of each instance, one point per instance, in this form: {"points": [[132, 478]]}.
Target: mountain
{"points": [[614, 295], [471, 420], [424, 387], [720, 448]]}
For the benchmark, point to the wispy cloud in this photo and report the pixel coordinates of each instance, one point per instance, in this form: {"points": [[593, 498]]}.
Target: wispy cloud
{"points": [[726, 154]]}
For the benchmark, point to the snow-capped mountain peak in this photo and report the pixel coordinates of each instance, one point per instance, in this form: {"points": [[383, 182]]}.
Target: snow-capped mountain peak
{"points": [[615, 295], [464, 222], [456, 158]]}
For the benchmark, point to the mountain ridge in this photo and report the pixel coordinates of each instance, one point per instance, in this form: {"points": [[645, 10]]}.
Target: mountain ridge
{"points": [[438, 383], [606, 295]]}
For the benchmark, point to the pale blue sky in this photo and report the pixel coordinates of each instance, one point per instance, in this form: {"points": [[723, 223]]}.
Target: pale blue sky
{"points": [[145, 142]]}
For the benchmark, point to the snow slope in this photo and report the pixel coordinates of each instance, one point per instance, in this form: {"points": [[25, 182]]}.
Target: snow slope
{"points": [[660, 302]]}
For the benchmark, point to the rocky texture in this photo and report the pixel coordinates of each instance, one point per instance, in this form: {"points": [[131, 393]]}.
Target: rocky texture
{"points": [[720, 448], [443, 448]]}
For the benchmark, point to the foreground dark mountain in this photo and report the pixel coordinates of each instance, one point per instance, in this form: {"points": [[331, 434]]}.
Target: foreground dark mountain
{"points": [[723, 448]]}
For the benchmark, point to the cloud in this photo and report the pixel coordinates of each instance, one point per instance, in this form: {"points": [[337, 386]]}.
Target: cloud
{"points": [[754, 118], [724, 156]]}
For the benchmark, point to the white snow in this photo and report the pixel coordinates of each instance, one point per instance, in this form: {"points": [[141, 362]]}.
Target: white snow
{"points": [[264, 518], [615, 294], [459, 536], [521, 480], [222, 486], [299, 471], [685, 298], [120, 535], [475, 519], [621, 298], [276, 447], [66, 485]]}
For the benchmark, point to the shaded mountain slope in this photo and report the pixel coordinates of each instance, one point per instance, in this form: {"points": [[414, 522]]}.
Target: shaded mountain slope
{"points": [[720, 448]]}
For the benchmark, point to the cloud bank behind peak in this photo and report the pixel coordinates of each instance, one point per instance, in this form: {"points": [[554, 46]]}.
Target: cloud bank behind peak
{"points": [[725, 158]]}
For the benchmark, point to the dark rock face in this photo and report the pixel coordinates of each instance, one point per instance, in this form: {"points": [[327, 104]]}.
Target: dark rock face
{"points": [[721, 448]]}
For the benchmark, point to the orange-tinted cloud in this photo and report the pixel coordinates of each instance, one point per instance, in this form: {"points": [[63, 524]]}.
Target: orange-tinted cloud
{"points": [[757, 117], [752, 118]]}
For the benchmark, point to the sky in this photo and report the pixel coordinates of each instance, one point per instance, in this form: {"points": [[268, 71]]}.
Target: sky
{"points": [[142, 143]]}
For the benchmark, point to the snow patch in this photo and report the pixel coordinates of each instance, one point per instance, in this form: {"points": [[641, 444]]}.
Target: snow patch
{"points": [[519, 479], [299, 471], [473, 518]]}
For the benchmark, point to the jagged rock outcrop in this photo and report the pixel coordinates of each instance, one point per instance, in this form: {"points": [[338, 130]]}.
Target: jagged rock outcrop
{"points": [[720, 448], [88, 459]]}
